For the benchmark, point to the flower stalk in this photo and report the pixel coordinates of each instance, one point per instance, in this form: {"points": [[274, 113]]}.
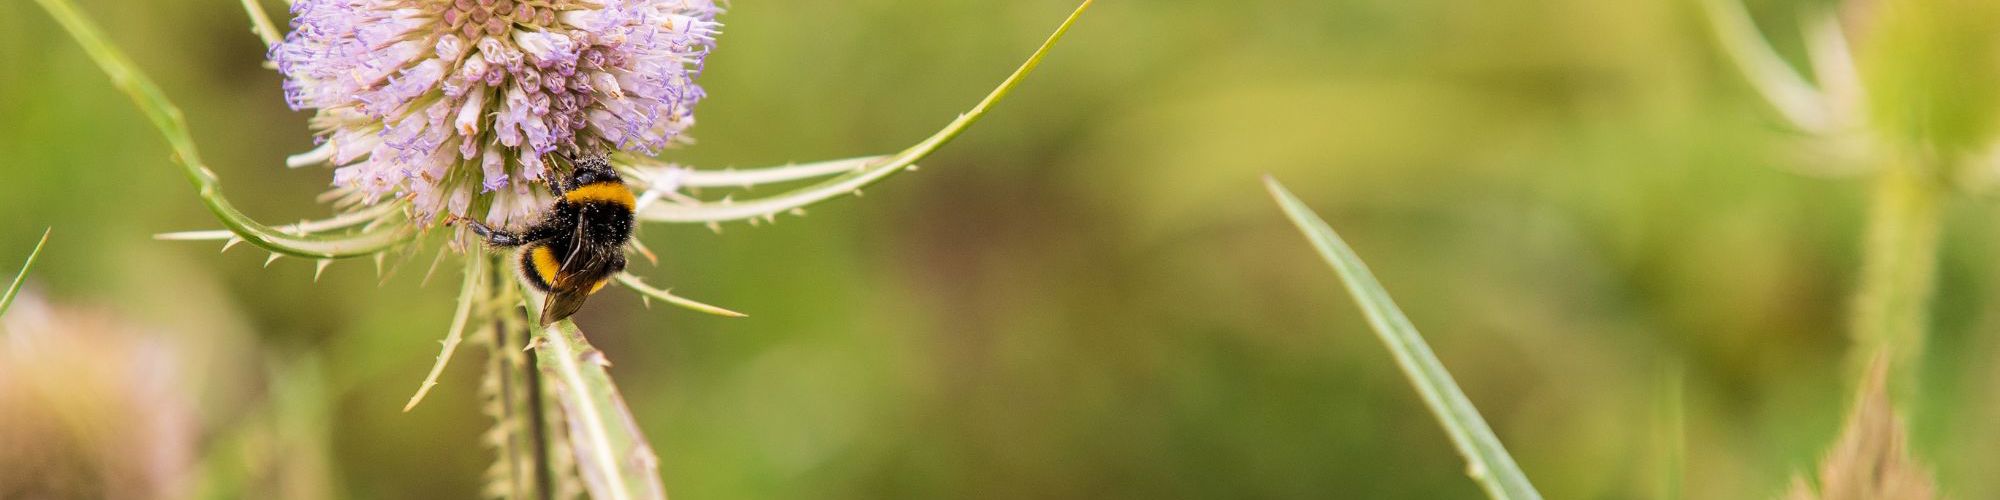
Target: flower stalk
{"points": [[1898, 275], [611, 455], [1891, 305], [514, 395]]}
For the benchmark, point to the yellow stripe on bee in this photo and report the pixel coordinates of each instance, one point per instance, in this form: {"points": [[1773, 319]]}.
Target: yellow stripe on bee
{"points": [[600, 285], [545, 264], [603, 192]]}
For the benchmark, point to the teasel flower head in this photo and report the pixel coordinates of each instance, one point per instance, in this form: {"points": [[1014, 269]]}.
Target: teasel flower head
{"points": [[436, 108], [457, 104]]}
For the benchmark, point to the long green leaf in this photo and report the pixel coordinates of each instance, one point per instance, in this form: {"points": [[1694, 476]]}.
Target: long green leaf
{"points": [[7, 300], [167, 118], [1488, 462], [870, 173], [611, 454]]}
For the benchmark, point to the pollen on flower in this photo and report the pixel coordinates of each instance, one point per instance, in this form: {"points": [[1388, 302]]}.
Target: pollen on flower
{"points": [[446, 102]]}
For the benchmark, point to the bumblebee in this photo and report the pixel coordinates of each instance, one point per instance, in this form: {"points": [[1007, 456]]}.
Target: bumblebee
{"points": [[578, 245]]}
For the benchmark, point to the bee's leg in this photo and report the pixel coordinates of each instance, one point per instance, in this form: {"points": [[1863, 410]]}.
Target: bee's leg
{"points": [[550, 227], [495, 237]]}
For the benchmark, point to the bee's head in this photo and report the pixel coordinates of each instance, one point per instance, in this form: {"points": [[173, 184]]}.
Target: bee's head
{"points": [[593, 170]]}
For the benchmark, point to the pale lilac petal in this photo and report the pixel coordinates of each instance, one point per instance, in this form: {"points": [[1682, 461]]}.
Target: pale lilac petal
{"points": [[408, 91]]}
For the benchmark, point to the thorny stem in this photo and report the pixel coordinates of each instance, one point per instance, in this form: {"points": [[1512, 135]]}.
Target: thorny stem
{"points": [[524, 408], [519, 455], [613, 460], [1892, 307], [538, 416]]}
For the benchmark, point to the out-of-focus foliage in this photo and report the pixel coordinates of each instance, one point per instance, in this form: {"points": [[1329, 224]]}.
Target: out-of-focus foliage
{"points": [[96, 406], [70, 384], [1089, 295]]}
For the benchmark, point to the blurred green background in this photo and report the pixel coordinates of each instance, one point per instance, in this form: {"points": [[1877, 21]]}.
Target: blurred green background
{"points": [[1089, 295]]}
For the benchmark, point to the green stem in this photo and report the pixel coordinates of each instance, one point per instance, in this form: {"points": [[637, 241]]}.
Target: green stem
{"points": [[1892, 308], [537, 416], [612, 456], [518, 409]]}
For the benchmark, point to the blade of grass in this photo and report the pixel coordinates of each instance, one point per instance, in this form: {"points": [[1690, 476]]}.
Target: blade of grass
{"points": [[611, 454], [167, 118], [1487, 461], [871, 172], [7, 301]]}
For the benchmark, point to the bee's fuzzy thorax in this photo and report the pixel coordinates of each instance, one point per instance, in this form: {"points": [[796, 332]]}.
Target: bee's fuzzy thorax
{"points": [[610, 191]]}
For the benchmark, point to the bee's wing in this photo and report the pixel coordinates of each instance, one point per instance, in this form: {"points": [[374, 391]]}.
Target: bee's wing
{"points": [[562, 302], [574, 282], [586, 265]]}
